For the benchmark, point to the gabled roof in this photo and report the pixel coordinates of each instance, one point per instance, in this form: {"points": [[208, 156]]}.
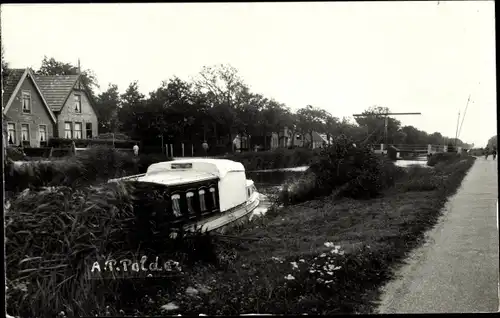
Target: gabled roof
{"points": [[10, 83], [12, 78], [56, 89]]}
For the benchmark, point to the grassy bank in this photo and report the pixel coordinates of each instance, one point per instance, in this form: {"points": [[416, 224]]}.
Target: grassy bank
{"points": [[275, 159], [327, 254], [323, 256]]}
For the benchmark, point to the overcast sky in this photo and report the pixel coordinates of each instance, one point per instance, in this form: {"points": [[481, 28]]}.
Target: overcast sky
{"points": [[344, 57]]}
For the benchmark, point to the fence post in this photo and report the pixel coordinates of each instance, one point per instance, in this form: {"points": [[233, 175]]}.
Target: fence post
{"points": [[172, 150], [182, 144], [192, 150], [429, 148]]}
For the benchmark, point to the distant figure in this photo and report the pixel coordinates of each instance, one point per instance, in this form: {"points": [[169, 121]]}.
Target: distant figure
{"points": [[494, 153], [486, 153], [136, 150]]}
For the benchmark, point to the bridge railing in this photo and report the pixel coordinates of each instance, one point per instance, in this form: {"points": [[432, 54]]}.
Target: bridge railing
{"points": [[429, 148]]}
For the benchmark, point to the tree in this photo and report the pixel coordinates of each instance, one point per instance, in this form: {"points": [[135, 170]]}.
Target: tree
{"points": [[53, 67], [249, 115], [5, 66], [274, 118], [133, 115], [374, 123], [492, 142], [225, 91], [311, 119], [179, 108], [107, 105]]}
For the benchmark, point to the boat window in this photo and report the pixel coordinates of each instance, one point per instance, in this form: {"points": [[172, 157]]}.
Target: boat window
{"points": [[189, 197], [249, 192], [175, 205], [203, 205], [212, 190]]}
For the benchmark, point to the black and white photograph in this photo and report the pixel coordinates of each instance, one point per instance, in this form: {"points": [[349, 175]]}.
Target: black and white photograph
{"points": [[249, 158]]}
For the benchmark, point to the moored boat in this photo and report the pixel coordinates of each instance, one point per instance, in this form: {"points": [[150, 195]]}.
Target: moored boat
{"points": [[206, 194]]}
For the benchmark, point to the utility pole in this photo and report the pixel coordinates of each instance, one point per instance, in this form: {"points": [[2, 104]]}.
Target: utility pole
{"points": [[386, 119], [456, 133], [465, 112]]}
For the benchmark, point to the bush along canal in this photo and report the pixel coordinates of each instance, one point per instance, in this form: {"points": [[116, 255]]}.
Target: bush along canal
{"points": [[331, 237]]}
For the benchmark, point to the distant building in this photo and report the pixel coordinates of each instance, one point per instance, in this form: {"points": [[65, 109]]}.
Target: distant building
{"points": [[39, 107]]}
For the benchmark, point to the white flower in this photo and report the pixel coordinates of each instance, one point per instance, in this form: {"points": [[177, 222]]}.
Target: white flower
{"points": [[289, 277], [312, 271], [328, 244], [329, 273], [328, 281], [169, 306], [301, 260], [294, 265], [322, 255]]}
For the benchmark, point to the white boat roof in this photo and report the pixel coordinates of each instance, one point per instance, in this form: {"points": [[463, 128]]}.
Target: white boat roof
{"points": [[176, 177], [216, 167]]}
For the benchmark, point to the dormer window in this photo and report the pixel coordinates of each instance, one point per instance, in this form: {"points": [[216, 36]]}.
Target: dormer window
{"points": [[26, 101], [78, 103]]}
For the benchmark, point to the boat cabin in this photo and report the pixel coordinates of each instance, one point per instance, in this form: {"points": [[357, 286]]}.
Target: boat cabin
{"points": [[195, 189]]}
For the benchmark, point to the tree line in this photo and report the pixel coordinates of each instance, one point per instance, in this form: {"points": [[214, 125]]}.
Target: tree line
{"points": [[216, 105]]}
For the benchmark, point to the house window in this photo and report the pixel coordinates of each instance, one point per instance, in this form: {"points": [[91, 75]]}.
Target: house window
{"points": [[88, 128], [68, 132], [26, 102], [78, 103], [78, 131], [25, 134], [12, 133], [42, 130]]}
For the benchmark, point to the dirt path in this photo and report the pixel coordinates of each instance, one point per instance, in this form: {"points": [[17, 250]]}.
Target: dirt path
{"points": [[457, 270]]}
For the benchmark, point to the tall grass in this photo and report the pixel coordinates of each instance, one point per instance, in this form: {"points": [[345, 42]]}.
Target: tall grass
{"points": [[54, 236], [52, 239], [93, 166]]}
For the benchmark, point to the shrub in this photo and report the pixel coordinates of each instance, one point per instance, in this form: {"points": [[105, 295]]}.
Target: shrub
{"points": [[42, 152], [86, 143], [98, 164], [298, 189], [15, 154], [446, 157], [345, 169]]}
